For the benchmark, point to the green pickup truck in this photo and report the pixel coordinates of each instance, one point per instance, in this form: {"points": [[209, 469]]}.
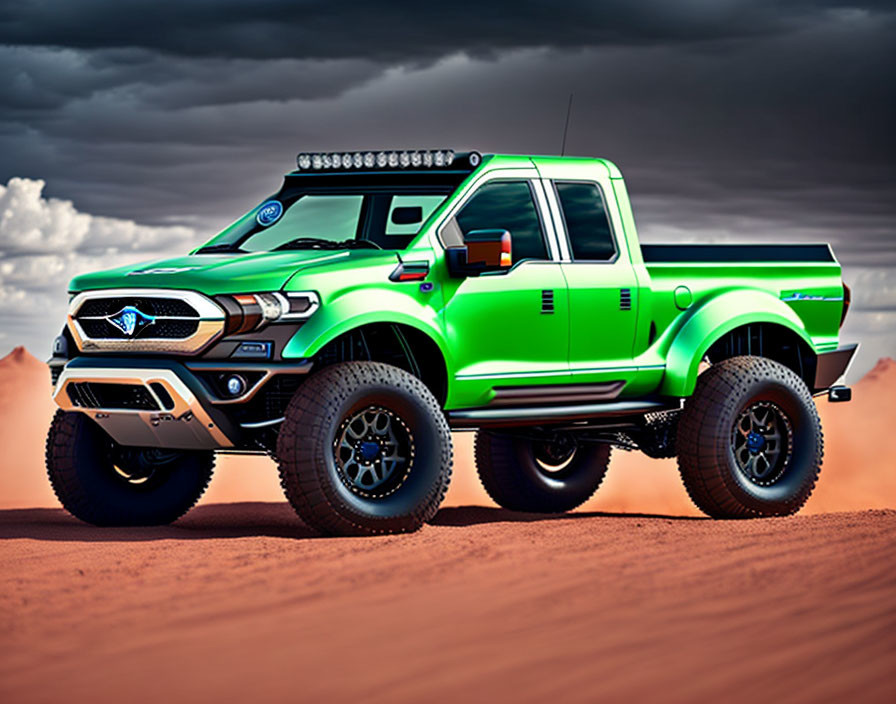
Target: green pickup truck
{"points": [[379, 300]]}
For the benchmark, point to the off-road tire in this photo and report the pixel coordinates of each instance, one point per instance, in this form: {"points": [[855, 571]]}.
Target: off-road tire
{"points": [[83, 476], [513, 478], [706, 458], [312, 479]]}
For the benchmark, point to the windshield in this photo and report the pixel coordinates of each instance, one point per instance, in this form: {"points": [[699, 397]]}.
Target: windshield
{"points": [[380, 219]]}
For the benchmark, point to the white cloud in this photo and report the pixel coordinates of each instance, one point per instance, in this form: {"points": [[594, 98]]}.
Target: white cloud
{"points": [[44, 242], [31, 224]]}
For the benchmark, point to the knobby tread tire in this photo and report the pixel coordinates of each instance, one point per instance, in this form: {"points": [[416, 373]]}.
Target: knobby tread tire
{"points": [[705, 460], [69, 455], [306, 437], [504, 477]]}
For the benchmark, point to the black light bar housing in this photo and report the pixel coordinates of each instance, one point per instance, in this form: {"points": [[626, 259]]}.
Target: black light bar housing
{"points": [[387, 160]]}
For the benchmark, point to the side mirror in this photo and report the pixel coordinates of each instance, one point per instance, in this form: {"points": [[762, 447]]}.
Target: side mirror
{"points": [[482, 251], [410, 215]]}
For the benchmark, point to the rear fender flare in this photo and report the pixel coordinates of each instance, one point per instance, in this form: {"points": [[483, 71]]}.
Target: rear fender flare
{"points": [[710, 322]]}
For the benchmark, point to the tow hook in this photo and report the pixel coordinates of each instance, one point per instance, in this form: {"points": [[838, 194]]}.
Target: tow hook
{"points": [[839, 394]]}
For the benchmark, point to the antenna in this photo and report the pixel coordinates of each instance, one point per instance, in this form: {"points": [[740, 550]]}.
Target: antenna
{"points": [[566, 127]]}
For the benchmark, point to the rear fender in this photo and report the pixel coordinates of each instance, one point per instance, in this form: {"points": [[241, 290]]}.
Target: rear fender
{"points": [[714, 319]]}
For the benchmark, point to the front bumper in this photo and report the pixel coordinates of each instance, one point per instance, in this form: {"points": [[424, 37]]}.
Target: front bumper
{"points": [[161, 403]]}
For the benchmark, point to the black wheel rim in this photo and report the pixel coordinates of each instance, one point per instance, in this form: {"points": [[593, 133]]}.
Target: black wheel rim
{"points": [[762, 443], [553, 455], [373, 452]]}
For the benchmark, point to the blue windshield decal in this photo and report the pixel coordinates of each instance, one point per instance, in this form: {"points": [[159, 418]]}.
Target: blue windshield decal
{"points": [[269, 213]]}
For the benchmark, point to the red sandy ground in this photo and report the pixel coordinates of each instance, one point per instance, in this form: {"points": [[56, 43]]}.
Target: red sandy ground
{"points": [[239, 602]]}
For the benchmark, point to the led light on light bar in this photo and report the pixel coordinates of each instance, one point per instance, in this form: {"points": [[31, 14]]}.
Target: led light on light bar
{"points": [[341, 161]]}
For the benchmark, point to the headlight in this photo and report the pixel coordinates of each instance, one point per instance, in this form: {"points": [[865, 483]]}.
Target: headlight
{"points": [[247, 312]]}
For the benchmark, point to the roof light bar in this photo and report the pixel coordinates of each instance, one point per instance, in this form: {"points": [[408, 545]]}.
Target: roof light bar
{"points": [[408, 159]]}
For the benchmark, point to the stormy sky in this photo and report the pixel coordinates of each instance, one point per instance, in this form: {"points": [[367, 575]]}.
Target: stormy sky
{"points": [[151, 124]]}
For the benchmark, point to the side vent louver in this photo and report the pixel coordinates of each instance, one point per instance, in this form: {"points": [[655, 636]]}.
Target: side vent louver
{"points": [[625, 299], [547, 301]]}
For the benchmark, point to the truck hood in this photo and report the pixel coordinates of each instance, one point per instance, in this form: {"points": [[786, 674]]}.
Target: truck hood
{"points": [[213, 274]]}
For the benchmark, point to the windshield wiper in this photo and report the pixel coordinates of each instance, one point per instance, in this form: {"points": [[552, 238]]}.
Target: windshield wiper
{"points": [[358, 244], [320, 243], [308, 243], [222, 247]]}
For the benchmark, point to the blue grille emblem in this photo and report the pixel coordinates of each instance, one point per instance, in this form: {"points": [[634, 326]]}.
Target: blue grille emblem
{"points": [[130, 320]]}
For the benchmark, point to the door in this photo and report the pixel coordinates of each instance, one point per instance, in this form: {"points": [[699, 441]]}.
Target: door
{"points": [[507, 328], [603, 288]]}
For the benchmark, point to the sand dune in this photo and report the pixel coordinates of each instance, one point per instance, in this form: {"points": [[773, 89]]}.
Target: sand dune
{"points": [[240, 603]]}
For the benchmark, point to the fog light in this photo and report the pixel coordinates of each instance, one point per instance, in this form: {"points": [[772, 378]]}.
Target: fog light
{"points": [[236, 385]]}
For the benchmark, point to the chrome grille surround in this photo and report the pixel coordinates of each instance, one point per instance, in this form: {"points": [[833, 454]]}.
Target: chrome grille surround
{"points": [[207, 324]]}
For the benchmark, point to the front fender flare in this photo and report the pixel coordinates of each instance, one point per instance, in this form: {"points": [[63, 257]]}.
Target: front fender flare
{"points": [[711, 321], [352, 311]]}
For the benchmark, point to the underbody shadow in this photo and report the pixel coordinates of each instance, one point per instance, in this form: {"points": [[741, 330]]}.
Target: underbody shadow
{"points": [[476, 515], [243, 520], [211, 521]]}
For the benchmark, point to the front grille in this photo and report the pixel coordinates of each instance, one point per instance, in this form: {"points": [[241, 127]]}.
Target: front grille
{"points": [[164, 321], [100, 328], [164, 307], [95, 394]]}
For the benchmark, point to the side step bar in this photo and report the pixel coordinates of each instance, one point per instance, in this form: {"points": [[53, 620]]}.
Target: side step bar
{"points": [[518, 396], [549, 415]]}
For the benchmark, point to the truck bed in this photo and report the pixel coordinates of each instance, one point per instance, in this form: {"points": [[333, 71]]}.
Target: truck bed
{"points": [[736, 253]]}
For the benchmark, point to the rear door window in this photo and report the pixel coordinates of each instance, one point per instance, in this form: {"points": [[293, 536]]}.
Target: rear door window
{"points": [[587, 223]]}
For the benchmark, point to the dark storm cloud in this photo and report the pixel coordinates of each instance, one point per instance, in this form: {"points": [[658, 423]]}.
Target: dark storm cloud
{"points": [[731, 119], [39, 79], [394, 31]]}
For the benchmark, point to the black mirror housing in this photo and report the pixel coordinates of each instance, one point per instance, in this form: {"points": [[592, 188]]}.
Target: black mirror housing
{"points": [[482, 251]]}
